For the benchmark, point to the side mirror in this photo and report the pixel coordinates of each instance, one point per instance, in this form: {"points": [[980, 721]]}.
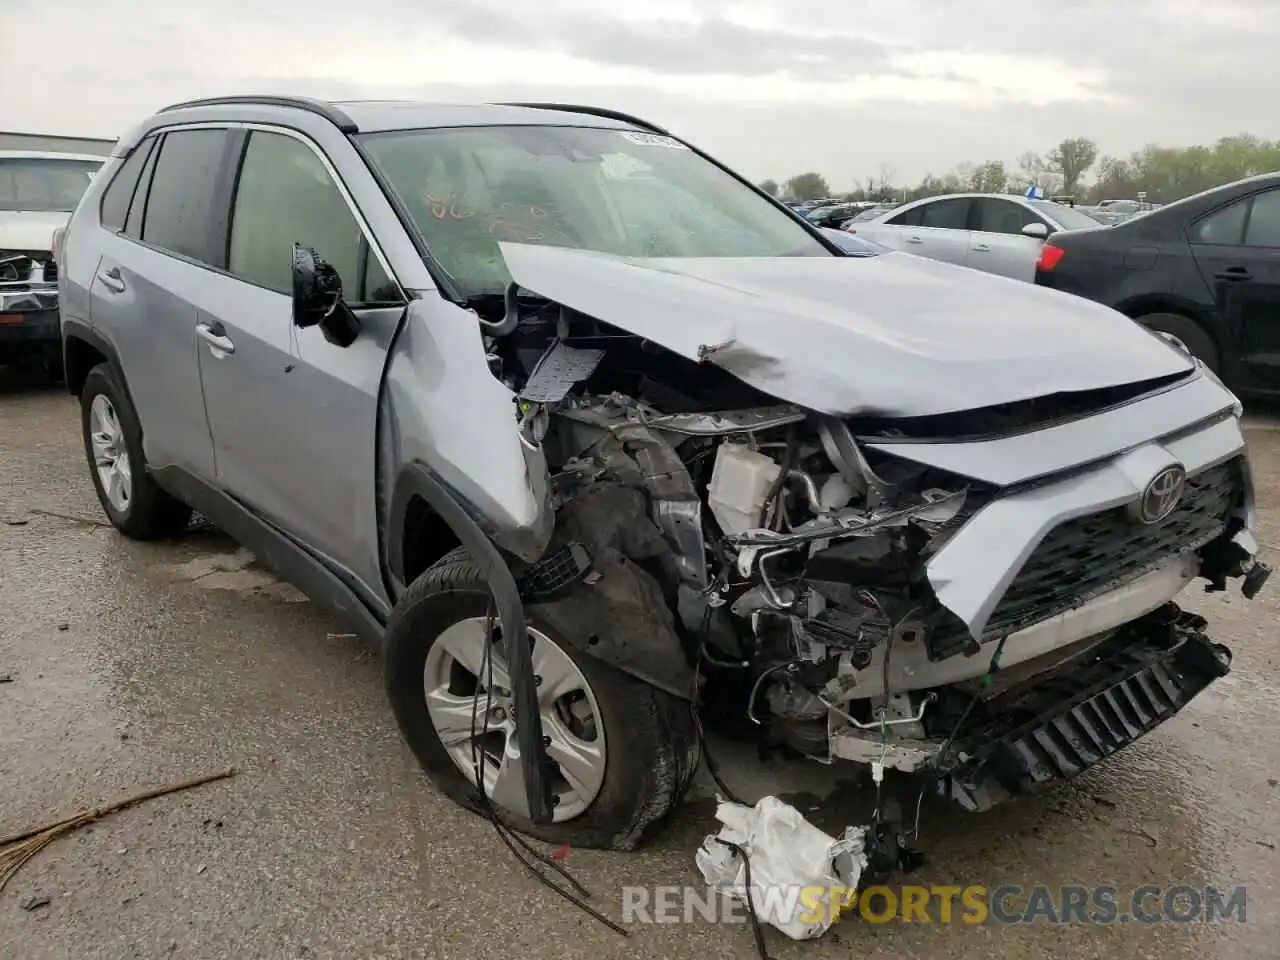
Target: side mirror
{"points": [[317, 298], [1037, 230]]}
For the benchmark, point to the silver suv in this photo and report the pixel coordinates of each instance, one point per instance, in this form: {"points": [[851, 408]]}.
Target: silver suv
{"points": [[598, 442]]}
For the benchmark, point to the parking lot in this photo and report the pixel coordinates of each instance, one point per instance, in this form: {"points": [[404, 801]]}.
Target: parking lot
{"points": [[129, 665]]}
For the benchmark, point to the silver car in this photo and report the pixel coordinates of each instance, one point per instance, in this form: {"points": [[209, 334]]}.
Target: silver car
{"points": [[992, 232], [596, 443]]}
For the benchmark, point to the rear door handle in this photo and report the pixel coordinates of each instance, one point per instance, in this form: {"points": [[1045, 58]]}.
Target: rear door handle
{"points": [[215, 336], [982, 247], [111, 279], [1234, 273], [914, 240]]}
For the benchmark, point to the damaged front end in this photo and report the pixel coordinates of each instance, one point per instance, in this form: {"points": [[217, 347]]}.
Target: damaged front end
{"points": [[986, 597]]}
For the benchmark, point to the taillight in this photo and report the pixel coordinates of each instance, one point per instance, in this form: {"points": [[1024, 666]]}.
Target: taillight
{"points": [[1050, 257], [55, 248]]}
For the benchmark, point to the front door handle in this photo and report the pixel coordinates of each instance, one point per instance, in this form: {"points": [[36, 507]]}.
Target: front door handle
{"points": [[914, 240], [216, 338], [982, 247], [111, 279], [1234, 273]]}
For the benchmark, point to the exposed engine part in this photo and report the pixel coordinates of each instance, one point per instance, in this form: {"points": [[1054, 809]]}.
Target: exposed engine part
{"points": [[847, 456], [741, 481]]}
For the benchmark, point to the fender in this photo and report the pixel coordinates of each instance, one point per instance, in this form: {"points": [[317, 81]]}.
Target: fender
{"points": [[73, 372], [417, 479]]}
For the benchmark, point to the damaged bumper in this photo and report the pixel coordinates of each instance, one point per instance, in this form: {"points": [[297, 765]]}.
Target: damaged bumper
{"points": [[28, 316], [1058, 727], [1056, 559]]}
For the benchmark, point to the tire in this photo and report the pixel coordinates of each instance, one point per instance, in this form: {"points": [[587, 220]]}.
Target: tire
{"points": [[52, 363], [148, 513], [1197, 339], [649, 740]]}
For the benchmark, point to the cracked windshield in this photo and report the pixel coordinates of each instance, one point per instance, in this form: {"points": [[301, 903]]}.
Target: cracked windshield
{"points": [[609, 191]]}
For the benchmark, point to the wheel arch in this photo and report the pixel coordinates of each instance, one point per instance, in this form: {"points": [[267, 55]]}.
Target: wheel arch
{"points": [[419, 494], [84, 348], [1136, 308]]}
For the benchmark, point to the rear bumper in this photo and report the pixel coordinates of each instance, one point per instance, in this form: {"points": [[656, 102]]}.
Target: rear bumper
{"points": [[1057, 727]]}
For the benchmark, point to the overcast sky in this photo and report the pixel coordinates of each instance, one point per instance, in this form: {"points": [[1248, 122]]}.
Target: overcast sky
{"points": [[772, 87]]}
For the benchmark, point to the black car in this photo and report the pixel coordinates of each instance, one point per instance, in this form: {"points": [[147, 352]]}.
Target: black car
{"points": [[833, 215], [1205, 269]]}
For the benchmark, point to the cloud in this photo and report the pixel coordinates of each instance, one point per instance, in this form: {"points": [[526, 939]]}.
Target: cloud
{"points": [[770, 86]]}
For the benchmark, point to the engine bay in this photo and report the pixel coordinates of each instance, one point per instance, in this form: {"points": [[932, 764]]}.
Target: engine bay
{"points": [[784, 554]]}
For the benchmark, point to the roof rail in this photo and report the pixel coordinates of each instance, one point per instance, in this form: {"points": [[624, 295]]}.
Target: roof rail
{"points": [[591, 112], [318, 107]]}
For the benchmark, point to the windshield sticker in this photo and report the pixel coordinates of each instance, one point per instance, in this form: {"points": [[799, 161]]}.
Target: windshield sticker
{"points": [[654, 140]]}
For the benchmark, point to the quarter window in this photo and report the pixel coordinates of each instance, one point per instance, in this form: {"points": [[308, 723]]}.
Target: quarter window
{"points": [[119, 193], [286, 196], [180, 202], [1264, 221], [1225, 226]]}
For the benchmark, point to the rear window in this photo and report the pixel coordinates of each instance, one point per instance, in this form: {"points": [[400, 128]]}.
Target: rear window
{"points": [[180, 203], [44, 184], [1069, 217]]}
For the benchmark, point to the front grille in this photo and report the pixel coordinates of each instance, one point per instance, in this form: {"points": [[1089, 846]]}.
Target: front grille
{"points": [[16, 267], [1085, 557]]}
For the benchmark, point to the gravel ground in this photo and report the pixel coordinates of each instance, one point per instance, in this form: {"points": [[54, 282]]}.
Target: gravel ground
{"points": [[129, 665]]}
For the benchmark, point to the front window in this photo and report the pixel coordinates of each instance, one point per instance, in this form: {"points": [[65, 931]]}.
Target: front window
{"points": [[46, 185], [612, 191]]}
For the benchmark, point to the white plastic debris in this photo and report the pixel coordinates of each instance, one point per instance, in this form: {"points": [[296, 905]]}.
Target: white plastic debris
{"points": [[797, 870]]}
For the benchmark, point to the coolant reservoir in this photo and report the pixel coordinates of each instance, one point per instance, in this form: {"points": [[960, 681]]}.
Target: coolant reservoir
{"points": [[740, 481]]}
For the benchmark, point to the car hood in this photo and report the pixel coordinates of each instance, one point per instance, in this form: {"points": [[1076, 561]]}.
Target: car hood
{"points": [[893, 335], [29, 229]]}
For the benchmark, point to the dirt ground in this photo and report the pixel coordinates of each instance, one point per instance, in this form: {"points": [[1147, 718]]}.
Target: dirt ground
{"points": [[128, 665]]}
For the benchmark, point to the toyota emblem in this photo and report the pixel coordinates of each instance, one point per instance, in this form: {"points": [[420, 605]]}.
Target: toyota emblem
{"points": [[1162, 494]]}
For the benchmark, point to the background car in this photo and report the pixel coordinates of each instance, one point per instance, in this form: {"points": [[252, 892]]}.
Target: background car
{"points": [[1205, 269], [832, 215], [995, 233], [38, 191], [854, 246]]}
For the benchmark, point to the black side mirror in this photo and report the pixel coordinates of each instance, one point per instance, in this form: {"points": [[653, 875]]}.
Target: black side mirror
{"points": [[317, 298]]}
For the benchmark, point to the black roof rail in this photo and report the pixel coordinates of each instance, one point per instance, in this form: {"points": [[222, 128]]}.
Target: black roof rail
{"points": [[318, 107], [591, 112]]}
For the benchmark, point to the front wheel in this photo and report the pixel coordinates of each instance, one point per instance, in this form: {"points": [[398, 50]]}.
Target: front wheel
{"points": [[623, 751]]}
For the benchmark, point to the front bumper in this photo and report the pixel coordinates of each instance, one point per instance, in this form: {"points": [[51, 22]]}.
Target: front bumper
{"points": [[1059, 555], [28, 318], [1058, 727]]}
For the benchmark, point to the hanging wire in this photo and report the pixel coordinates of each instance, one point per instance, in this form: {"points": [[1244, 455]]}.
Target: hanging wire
{"points": [[518, 846]]}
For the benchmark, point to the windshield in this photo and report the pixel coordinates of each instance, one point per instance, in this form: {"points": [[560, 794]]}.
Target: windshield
{"points": [[37, 183], [1069, 217], [612, 191]]}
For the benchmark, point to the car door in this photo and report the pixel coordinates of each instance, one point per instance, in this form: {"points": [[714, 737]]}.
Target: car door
{"points": [[1237, 251], [937, 229], [294, 417], [997, 243], [157, 247]]}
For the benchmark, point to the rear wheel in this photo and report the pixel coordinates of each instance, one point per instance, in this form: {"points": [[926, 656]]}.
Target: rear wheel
{"points": [[1195, 337], [132, 500], [624, 752]]}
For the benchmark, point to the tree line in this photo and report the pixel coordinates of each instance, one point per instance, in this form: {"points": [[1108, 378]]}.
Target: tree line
{"points": [[1072, 168]]}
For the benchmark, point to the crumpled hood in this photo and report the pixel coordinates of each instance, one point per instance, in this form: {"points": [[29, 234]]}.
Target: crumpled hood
{"points": [[29, 229], [892, 335]]}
